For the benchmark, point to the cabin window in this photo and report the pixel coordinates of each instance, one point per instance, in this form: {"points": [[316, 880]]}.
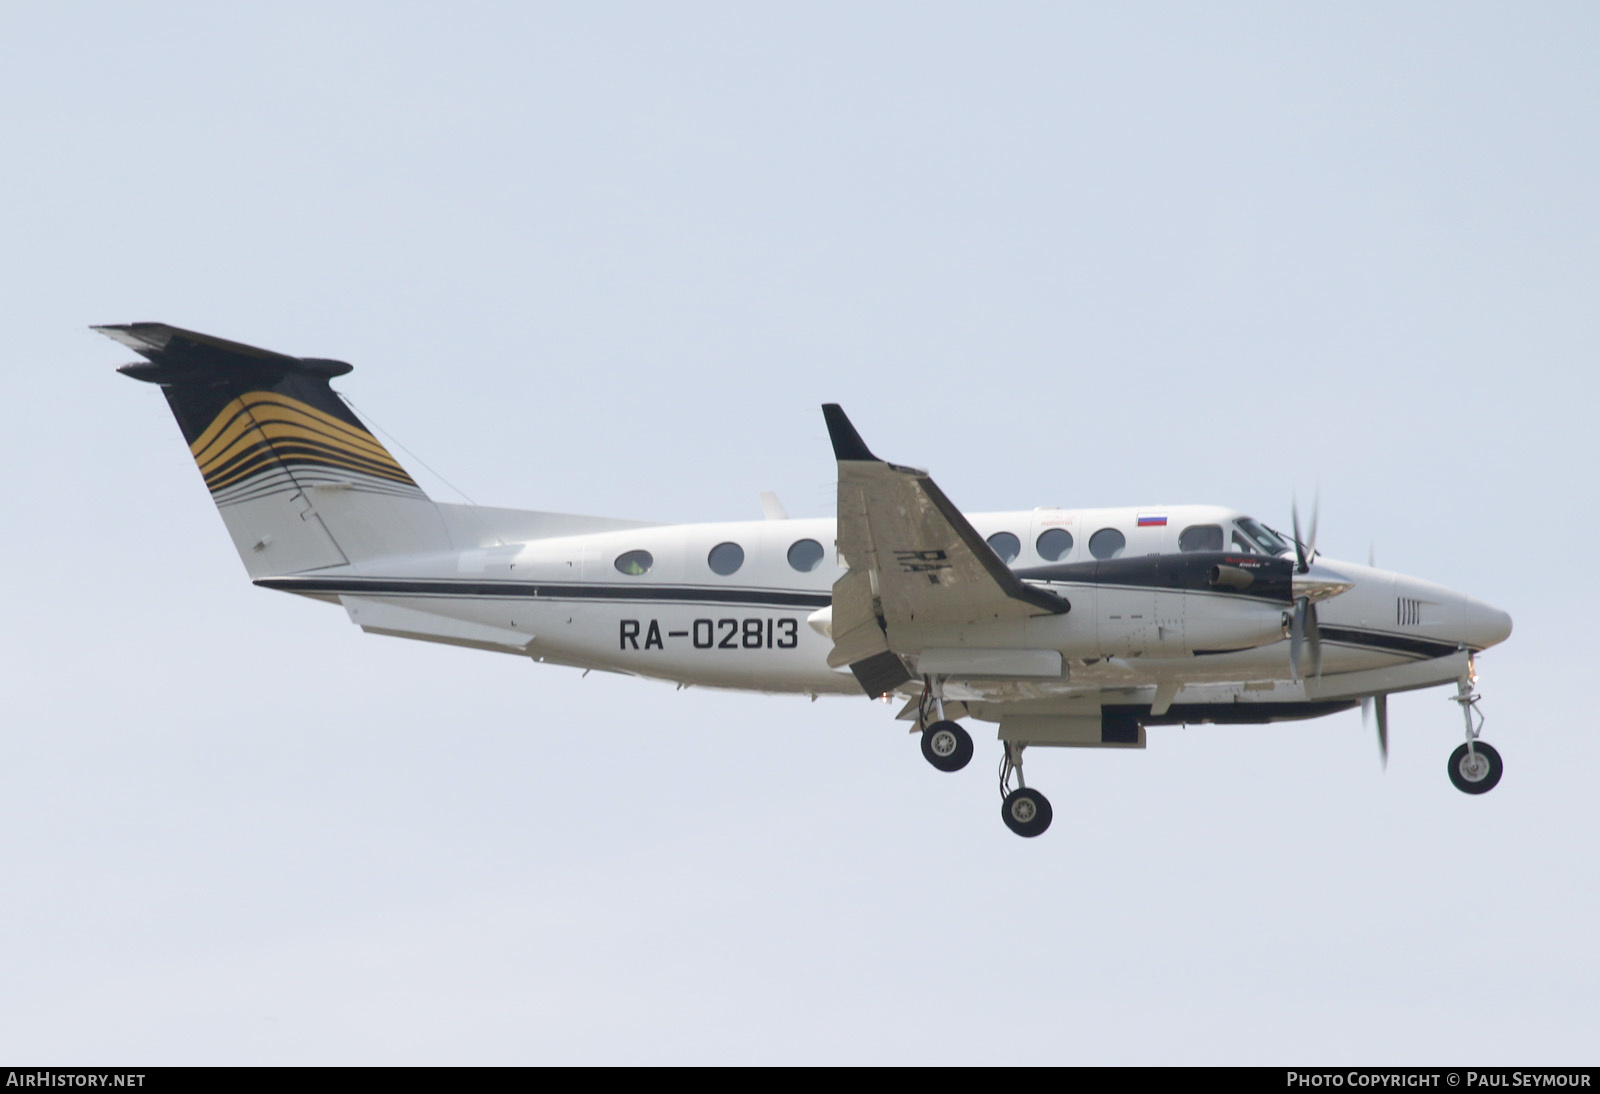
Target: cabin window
{"points": [[805, 555], [1107, 543], [1054, 544], [634, 563], [1006, 545], [1200, 537], [725, 558]]}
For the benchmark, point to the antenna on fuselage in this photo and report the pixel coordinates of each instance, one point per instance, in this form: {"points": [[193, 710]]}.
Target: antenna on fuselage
{"points": [[771, 507]]}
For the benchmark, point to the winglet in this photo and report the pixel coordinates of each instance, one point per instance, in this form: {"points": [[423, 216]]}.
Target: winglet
{"points": [[847, 443]]}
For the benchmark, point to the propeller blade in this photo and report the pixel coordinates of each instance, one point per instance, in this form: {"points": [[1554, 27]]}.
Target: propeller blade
{"points": [[1314, 639], [1316, 506], [1305, 549], [1382, 705], [1299, 548], [1304, 632], [1297, 638]]}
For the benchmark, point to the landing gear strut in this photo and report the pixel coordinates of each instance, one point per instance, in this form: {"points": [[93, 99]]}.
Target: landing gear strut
{"points": [[945, 744], [1026, 812], [1475, 767]]}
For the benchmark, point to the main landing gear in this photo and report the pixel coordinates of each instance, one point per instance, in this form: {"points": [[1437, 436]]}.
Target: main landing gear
{"points": [[1026, 812], [948, 747], [1475, 767], [945, 744]]}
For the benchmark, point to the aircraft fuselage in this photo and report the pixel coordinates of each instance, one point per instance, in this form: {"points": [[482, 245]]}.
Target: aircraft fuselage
{"points": [[1147, 615]]}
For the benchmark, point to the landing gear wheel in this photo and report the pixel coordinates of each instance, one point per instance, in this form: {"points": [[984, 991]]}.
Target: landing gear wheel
{"points": [[946, 746], [1026, 812], [1476, 772]]}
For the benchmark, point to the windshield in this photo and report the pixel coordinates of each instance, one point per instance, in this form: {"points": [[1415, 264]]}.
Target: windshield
{"points": [[1263, 538]]}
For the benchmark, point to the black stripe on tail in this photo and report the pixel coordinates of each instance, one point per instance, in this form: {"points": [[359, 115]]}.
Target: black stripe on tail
{"points": [[258, 421]]}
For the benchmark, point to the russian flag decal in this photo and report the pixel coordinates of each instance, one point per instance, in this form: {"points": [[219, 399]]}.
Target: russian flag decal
{"points": [[1152, 522]]}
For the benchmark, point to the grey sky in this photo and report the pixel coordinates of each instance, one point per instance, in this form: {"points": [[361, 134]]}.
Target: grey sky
{"points": [[609, 258]]}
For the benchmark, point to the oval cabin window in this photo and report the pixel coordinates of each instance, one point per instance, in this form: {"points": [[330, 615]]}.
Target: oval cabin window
{"points": [[806, 555], [725, 558], [634, 563], [1006, 545], [1107, 543], [1054, 544]]}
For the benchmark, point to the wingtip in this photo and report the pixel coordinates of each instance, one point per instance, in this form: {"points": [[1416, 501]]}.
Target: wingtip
{"points": [[847, 443]]}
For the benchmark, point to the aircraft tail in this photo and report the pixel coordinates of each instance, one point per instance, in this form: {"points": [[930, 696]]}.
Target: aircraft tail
{"points": [[300, 482]]}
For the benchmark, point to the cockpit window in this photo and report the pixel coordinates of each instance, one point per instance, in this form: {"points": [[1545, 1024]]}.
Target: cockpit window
{"points": [[634, 563], [1265, 539], [1200, 537]]}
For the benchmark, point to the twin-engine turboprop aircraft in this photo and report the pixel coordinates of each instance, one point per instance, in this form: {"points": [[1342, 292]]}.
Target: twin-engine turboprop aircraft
{"points": [[1074, 628]]}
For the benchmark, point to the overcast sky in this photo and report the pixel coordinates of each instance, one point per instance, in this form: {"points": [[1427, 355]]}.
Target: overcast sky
{"points": [[609, 258]]}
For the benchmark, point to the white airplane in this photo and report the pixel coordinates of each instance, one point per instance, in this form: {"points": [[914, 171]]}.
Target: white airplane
{"points": [[1067, 628]]}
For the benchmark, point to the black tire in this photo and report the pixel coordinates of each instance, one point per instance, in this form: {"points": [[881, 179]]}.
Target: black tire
{"points": [[1026, 812], [1488, 769], [946, 746]]}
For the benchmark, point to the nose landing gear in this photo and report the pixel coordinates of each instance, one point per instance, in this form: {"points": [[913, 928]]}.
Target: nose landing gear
{"points": [[1475, 767]]}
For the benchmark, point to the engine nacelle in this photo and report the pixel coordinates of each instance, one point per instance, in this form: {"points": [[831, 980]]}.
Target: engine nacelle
{"points": [[1169, 605]]}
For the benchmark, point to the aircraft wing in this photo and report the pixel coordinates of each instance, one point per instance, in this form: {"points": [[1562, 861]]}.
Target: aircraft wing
{"points": [[913, 559]]}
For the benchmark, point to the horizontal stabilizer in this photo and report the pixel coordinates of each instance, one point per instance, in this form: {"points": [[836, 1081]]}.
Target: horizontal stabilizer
{"points": [[177, 356]]}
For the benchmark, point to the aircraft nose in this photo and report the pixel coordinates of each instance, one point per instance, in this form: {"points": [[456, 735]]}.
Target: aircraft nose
{"points": [[1486, 626]]}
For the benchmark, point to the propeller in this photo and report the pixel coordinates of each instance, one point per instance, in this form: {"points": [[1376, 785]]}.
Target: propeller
{"points": [[1303, 630], [1379, 703]]}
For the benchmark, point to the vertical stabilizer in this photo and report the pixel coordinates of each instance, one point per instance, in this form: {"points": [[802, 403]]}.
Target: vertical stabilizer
{"points": [[300, 482]]}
